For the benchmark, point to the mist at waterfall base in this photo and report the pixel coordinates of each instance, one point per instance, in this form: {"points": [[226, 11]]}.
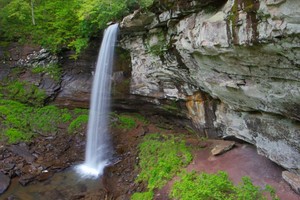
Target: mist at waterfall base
{"points": [[98, 146]]}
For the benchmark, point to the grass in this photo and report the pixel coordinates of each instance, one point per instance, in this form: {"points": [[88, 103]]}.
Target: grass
{"points": [[78, 123], [23, 92], [143, 195], [127, 121], [14, 135], [21, 122], [161, 157], [218, 187], [23, 114]]}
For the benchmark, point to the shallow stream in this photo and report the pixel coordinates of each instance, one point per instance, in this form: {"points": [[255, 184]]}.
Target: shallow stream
{"points": [[63, 185]]}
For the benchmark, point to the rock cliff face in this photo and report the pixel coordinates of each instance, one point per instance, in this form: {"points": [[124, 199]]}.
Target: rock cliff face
{"points": [[236, 63]]}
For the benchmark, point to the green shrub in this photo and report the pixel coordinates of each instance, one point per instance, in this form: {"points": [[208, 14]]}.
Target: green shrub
{"points": [[161, 156], [80, 111], [143, 195], [66, 116], [123, 121], [23, 92], [15, 135], [53, 70], [20, 122], [217, 187], [203, 186], [78, 123], [45, 120], [126, 122], [15, 115]]}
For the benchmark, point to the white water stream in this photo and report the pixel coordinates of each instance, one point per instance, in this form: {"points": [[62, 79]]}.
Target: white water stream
{"points": [[98, 147]]}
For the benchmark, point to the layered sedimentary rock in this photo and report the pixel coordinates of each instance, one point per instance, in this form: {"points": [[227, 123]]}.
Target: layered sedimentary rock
{"points": [[236, 63]]}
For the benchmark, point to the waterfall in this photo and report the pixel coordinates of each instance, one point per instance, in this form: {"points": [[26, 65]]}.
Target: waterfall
{"points": [[98, 147]]}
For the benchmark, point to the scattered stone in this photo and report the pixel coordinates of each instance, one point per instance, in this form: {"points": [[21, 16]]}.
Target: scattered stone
{"points": [[7, 166], [4, 182], [122, 197], [203, 144], [12, 197], [292, 179], [44, 176], [23, 152], [25, 179], [77, 196], [222, 147], [142, 131]]}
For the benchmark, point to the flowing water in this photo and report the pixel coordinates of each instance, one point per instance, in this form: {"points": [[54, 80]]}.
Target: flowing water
{"points": [[98, 148]]}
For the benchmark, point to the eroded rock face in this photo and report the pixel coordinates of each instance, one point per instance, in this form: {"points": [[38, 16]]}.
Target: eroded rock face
{"points": [[244, 53], [292, 179]]}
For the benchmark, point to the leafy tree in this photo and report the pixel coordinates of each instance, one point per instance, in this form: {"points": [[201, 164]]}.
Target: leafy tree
{"points": [[61, 24], [14, 18]]}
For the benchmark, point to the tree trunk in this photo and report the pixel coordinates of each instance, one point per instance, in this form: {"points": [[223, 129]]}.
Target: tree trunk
{"points": [[32, 13]]}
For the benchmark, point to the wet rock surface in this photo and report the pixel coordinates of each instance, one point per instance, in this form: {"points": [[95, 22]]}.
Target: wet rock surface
{"points": [[4, 182], [41, 158]]}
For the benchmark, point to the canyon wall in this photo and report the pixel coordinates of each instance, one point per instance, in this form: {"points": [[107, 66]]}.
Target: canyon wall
{"points": [[235, 63]]}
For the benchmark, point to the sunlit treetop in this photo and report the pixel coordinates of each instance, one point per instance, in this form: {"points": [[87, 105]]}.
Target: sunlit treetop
{"points": [[62, 23]]}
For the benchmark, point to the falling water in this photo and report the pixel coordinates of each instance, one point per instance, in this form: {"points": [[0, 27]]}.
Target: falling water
{"points": [[98, 148]]}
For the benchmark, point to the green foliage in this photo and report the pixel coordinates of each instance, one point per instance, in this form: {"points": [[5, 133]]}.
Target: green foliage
{"points": [[15, 124], [80, 111], [97, 13], [161, 156], [247, 190], [13, 15], [143, 196], [77, 123], [203, 186], [15, 135], [124, 121], [20, 122], [140, 118], [22, 115], [217, 187], [46, 119], [145, 3], [53, 70], [272, 192], [60, 24], [23, 92]]}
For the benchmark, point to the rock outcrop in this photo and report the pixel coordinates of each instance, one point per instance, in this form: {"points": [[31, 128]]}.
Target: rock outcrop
{"points": [[242, 55], [232, 64]]}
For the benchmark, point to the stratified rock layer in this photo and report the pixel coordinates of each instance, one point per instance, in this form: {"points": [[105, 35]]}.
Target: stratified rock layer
{"points": [[292, 179], [242, 55]]}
